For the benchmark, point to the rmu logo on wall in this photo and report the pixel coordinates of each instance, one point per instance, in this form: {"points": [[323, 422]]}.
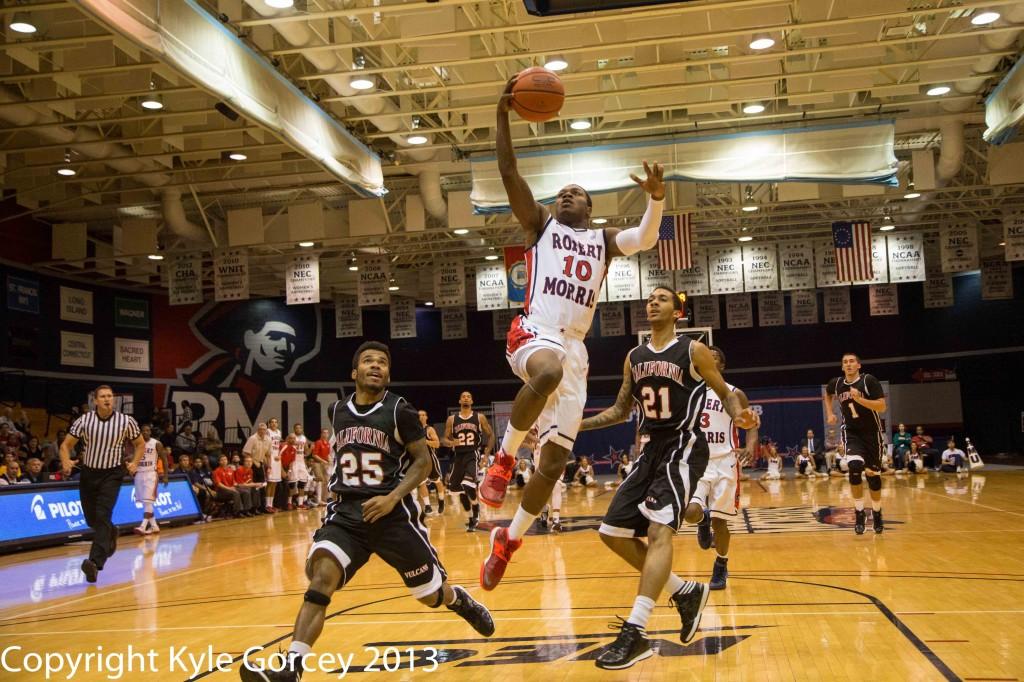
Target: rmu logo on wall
{"points": [[255, 348]]}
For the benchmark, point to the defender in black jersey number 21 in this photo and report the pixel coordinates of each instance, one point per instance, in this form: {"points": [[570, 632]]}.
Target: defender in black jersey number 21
{"points": [[666, 379], [382, 457], [860, 401]]}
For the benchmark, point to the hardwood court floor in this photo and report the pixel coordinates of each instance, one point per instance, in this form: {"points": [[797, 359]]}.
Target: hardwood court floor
{"points": [[938, 596]]}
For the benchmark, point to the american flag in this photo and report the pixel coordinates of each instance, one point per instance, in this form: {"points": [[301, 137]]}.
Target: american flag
{"points": [[675, 243], [853, 251]]}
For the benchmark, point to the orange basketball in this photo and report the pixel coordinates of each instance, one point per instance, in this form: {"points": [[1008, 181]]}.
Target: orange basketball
{"points": [[538, 94]]}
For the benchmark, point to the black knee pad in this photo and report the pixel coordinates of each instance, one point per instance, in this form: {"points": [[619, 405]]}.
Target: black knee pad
{"points": [[318, 598], [470, 492], [856, 469], [874, 483]]}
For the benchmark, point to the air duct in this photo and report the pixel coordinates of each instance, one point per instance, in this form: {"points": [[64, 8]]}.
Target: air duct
{"points": [[951, 153], [430, 190]]}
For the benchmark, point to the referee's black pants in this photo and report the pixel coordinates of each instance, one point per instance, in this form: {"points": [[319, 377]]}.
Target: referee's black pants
{"points": [[98, 490]]}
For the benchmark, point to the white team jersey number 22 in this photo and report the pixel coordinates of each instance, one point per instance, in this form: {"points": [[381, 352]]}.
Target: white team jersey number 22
{"points": [[361, 468]]}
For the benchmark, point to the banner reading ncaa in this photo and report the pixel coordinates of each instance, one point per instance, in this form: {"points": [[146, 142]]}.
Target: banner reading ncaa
{"points": [[240, 363]]}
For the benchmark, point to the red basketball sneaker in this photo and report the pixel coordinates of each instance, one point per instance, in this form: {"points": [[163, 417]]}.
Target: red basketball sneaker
{"points": [[502, 548], [492, 490]]}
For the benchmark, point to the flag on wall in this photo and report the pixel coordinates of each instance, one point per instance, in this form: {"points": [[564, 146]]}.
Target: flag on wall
{"points": [[675, 242], [853, 251]]}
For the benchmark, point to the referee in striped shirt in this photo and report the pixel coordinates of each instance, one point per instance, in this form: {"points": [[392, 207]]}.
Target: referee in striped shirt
{"points": [[104, 432]]}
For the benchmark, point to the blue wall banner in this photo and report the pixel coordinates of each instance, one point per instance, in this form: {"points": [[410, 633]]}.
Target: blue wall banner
{"points": [[54, 511], [23, 294]]}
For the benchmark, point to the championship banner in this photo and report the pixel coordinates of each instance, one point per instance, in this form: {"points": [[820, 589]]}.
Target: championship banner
{"points": [[739, 312], [797, 265], [613, 320], [501, 320], [706, 312], [938, 291], [695, 280], [348, 317], [906, 257], [825, 264], [959, 243], [403, 317], [453, 323], [1013, 235], [837, 304], [760, 267], [804, 306], [77, 349], [230, 275], [725, 269], [185, 280], [996, 278], [76, 305], [932, 257], [372, 285], [879, 261], [624, 279], [638, 321], [651, 274], [491, 287], [771, 309], [131, 354], [302, 280], [883, 299], [515, 274], [449, 282]]}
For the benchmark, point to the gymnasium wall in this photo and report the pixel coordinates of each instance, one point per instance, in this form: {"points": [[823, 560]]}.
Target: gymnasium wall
{"points": [[201, 350]]}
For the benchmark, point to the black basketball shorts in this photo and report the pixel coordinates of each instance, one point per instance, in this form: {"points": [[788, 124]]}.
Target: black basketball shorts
{"points": [[865, 446]]}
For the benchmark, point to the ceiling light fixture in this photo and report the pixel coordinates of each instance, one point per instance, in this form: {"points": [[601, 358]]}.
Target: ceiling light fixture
{"points": [[937, 90], [352, 265], [887, 228], [66, 170], [599, 221], [460, 231], [1002, 243], [911, 192], [155, 256], [429, 303], [761, 41], [491, 257], [237, 156], [985, 18], [580, 124], [279, 4], [416, 139], [362, 83], [393, 287], [745, 239], [753, 108], [749, 202], [151, 101], [22, 23], [307, 244], [556, 62]]}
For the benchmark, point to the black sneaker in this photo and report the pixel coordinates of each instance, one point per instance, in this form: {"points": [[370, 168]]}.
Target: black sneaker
{"points": [[440, 506], [719, 574], [90, 569], [253, 675], [472, 611], [542, 520], [629, 647], [428, 509], [472, 524], [556, 527], [704, 537], [858, 524], [876, 521], [690, 601]]}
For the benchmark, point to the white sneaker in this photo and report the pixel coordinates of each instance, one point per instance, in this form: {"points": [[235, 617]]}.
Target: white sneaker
{"points": [[141, 530], [154, 526]]}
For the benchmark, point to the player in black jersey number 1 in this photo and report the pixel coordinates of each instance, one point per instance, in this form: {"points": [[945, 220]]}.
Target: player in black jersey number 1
{"points": [[860, 400], [376, 434], [667, 379]]}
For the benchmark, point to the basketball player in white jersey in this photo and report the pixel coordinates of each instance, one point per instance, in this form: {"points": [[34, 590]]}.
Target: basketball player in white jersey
{"points": [[298, 473], [566, 262], [274, 464], [145, 480], [718, 490]]}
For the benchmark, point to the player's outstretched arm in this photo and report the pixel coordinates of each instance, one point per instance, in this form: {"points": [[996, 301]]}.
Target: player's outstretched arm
{"points": [[635, 239], [704, 361], [530, 214], [752, 434], [617, 413]]}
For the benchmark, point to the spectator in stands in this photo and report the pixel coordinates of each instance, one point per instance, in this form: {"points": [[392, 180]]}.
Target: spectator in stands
{"points": [[6, 419], [33, 449], [925, 447], [815, 450], [257, 446], [900, 446], [12, 475], [22, 422], [288, 453], [228, 491], [34, 471], [584, 473], [805, 463], [953, 458], [625, 466], [523, 473], [202, 492], [915, 460], [321, 459], [213, 445], [186, 440], [186, 414], [243, 479], [168, 438]]}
